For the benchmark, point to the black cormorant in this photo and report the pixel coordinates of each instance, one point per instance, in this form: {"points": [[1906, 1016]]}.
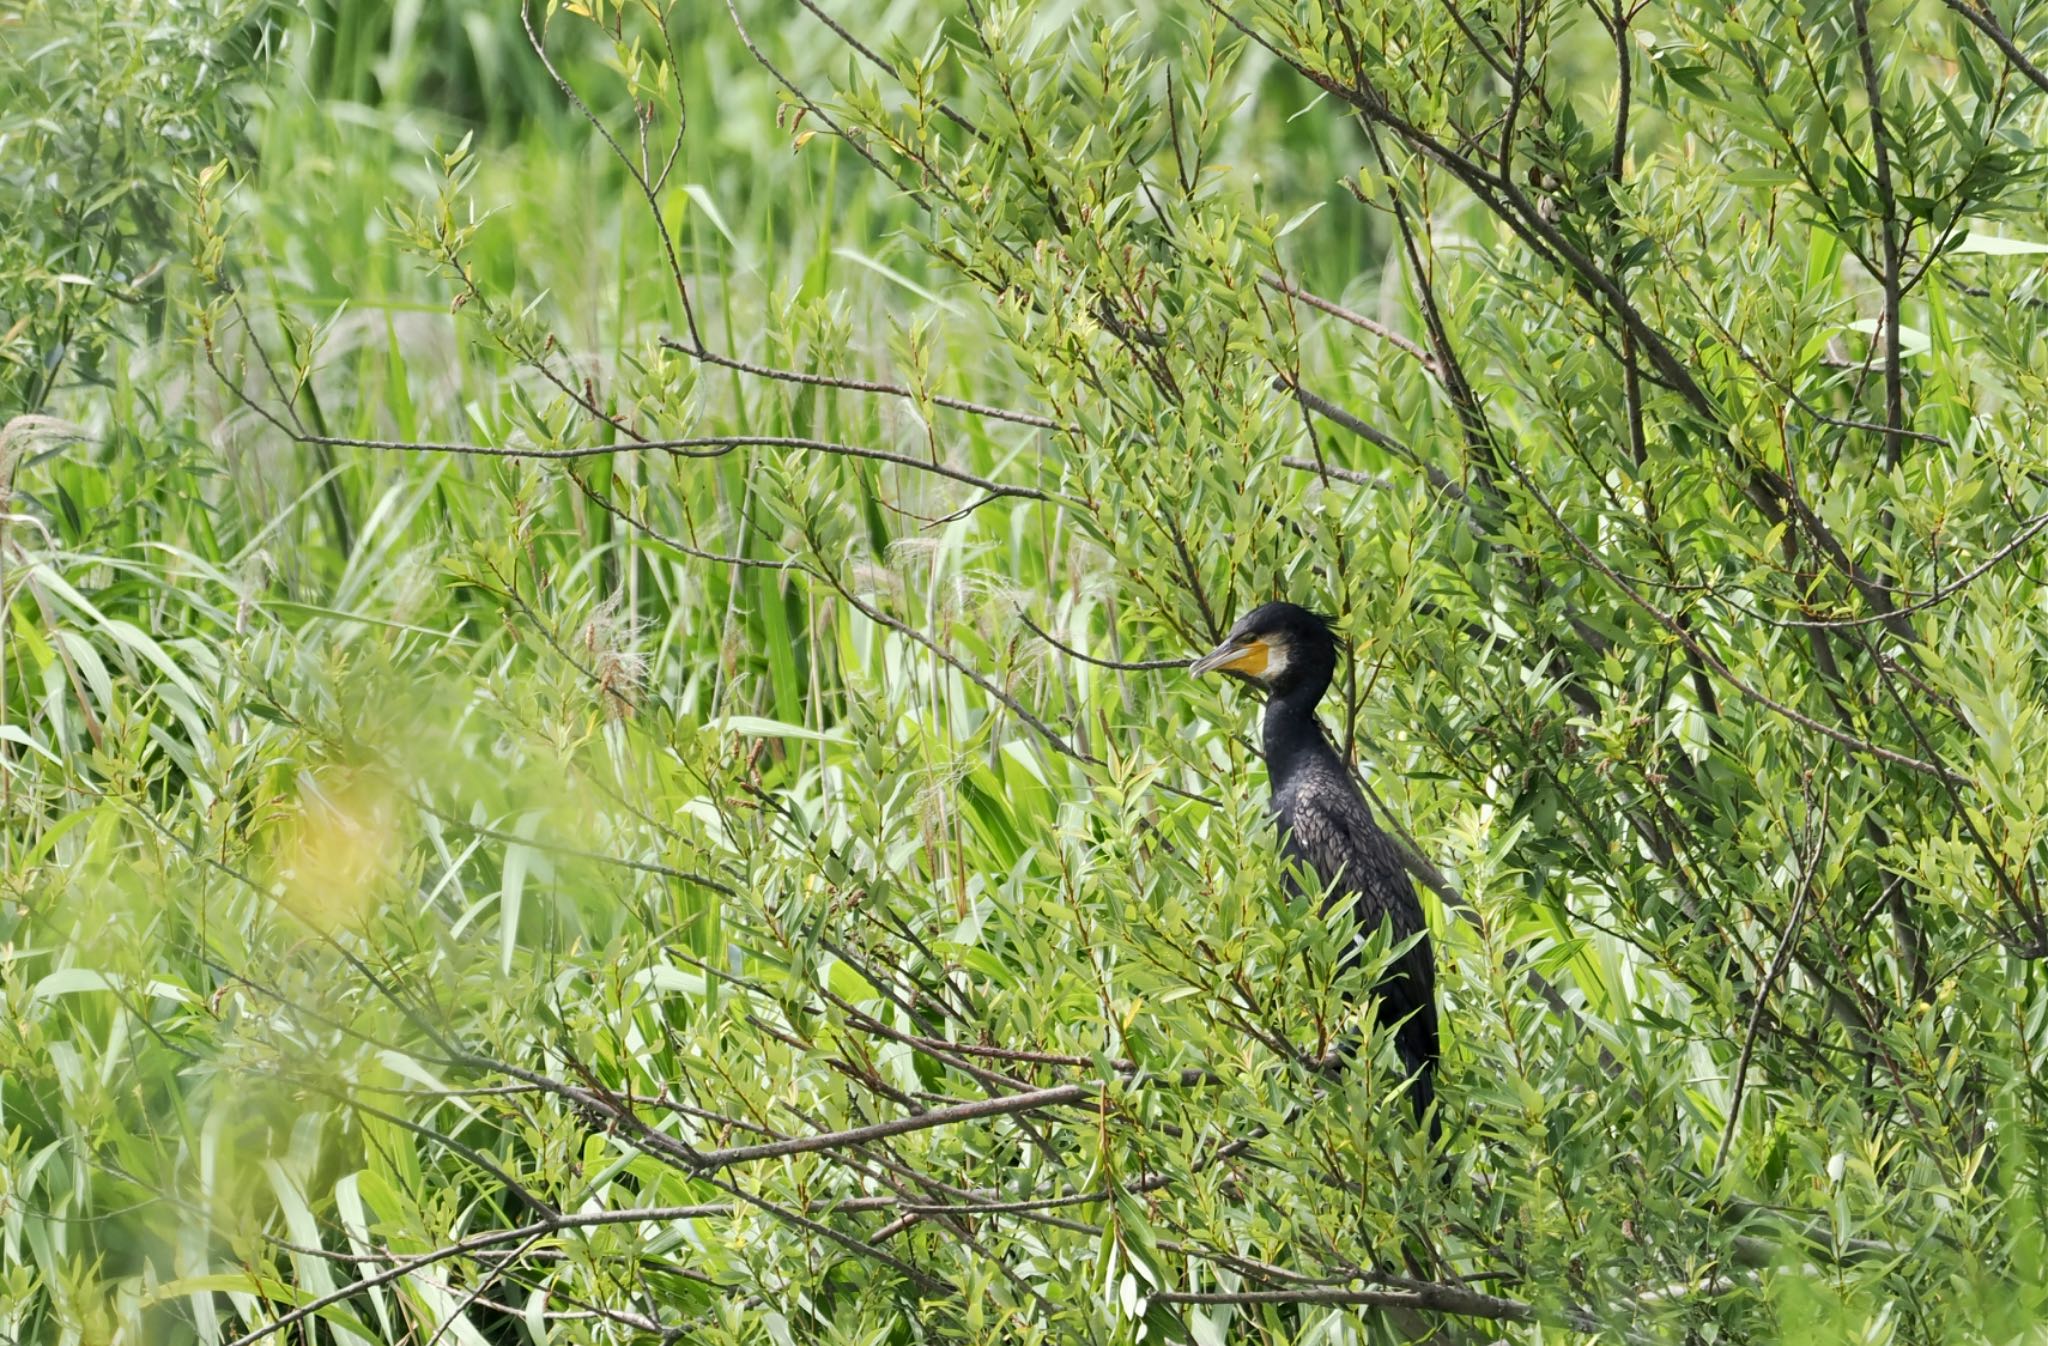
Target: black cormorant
{"points": [[1326, 824]]}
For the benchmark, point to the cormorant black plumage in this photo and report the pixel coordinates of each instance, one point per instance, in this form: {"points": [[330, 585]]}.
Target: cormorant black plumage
{"points": [[1326, 825]]}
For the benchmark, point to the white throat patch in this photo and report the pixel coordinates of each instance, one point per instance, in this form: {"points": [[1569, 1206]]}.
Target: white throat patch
{"points": [[1276, 659]]}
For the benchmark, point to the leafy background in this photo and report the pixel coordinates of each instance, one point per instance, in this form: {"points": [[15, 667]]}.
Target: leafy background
{"points": [[432, 813]]}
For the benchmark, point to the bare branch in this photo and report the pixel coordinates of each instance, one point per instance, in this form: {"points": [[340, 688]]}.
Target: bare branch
{"points": [[1979, 16], [1358, 320], [864, 386]]}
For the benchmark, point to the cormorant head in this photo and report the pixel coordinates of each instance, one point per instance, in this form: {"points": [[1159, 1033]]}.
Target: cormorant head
{"points": [[1278, 646]]}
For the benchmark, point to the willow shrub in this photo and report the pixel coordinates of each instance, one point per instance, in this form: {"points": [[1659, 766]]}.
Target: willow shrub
{"points": [[753, 864]]}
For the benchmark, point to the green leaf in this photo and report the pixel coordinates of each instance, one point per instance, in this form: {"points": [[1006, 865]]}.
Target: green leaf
{"points": [[1996, 245], [756, 726]]}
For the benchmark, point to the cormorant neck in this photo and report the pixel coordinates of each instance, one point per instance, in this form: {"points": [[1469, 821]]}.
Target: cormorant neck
{"points": [[1292, 733]]}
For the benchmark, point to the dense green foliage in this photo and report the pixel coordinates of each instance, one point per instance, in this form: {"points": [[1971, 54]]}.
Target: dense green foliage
{"points": [[101, 108], [593, 739]]}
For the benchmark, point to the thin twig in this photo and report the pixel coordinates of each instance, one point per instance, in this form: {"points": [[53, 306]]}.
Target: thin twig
{"points": [[1385, 333], [1790, 941], [1122, 665], [981, 409]]}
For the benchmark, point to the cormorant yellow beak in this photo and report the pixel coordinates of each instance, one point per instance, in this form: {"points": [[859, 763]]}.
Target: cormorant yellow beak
{"points": [[1246, 657]]}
